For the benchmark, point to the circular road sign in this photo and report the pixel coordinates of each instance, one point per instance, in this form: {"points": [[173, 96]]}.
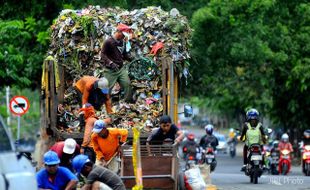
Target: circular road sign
{"points": [[19, 105]]}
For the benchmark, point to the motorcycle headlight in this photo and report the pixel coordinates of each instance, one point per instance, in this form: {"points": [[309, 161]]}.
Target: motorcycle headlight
{"points": [[285, 152], [307, 147]]}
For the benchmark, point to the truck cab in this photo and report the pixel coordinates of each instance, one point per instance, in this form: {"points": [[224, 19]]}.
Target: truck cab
{"points": [[16, 171]]}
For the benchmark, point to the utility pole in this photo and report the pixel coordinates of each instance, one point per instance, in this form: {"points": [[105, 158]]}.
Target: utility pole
{"points": [[8, 106]]}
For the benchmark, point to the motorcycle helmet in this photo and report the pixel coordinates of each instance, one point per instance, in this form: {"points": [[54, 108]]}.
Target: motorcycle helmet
{"points": [[307, 134], [284, 137], [252, 114], [275, 144], [209, 129], [191, 136]]}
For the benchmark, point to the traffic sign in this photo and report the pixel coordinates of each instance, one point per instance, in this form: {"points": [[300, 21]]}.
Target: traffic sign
{"points": [[19, 105]]}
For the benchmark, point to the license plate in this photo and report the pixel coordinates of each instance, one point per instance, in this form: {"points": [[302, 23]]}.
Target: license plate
{"points": [[285, 157], [275, 157], [209, 156], [256, 157]]}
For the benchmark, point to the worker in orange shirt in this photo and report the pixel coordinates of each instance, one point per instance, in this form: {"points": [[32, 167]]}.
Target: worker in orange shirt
{"points": [[94, 91], [90, 119], [106, 144]]}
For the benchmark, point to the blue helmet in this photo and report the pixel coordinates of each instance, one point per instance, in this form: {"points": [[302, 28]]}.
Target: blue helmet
{"points": [[209, 129], [79, 161], [252, 114], [51, 158]]}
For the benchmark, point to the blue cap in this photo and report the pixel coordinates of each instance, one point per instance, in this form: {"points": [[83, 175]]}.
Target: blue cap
{"points": [[105, 91], [98, 126]]}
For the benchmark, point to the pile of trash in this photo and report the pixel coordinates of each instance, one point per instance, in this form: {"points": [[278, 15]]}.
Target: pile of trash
{"points": [[78, 35]]}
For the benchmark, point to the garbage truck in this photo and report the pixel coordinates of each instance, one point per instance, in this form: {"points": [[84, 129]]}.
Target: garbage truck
{"points": [[160, 47]]}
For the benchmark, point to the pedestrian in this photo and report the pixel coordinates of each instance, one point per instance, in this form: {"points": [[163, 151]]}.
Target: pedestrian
{"points": [[53, 176], [90, 119], [66, 150], [97, 177], [106, 144], [113, 55]]}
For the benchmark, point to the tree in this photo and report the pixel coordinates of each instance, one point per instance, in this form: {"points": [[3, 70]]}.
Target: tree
{"points": [[246, 52]]}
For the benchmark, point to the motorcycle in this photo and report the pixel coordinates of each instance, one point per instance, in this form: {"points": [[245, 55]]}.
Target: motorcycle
{"points": [[306, 160], [284, 162], [209, 157], [267, 157], [274, 162], [232, 148], [254, 168]]}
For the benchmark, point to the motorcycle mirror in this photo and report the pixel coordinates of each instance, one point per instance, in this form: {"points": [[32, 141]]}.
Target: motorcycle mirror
{"points": [[269, 130], [188, 110]]}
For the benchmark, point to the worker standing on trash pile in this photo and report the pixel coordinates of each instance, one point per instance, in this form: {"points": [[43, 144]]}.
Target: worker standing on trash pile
{"points": [[167, 130], [98, 177], [53, 176], [106, 144], [90, 119], [114, 52], [94, 91]]}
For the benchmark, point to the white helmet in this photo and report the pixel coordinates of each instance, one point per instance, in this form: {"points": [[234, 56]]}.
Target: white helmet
{"points": [[103, 84], [284, 137]]}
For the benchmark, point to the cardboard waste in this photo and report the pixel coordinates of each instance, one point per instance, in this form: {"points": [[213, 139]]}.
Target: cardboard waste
{"points": [[77, 38]]}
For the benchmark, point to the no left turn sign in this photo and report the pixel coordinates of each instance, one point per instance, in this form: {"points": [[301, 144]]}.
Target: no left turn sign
{"points": [[19, 105]]}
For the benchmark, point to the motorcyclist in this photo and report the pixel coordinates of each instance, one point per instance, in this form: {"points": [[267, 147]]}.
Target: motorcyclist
{"points": [[305, 142], [252, 132], [209, 138], [306, 137], [274, 146], [190, 148], [232, 136], [285, 144]]}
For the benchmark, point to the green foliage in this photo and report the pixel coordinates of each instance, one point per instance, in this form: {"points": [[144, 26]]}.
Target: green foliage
{"points": [[19, 65], [254, 54]]}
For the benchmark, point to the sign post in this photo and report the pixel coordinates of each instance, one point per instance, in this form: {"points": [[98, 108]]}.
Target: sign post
{"points": [[19, 105]]}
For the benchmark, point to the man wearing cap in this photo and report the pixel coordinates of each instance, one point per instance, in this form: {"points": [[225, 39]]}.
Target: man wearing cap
{"points": [[98, 177], [53, 176], [90, 119], [66, 150], [106, 144], [94, 91], [113, 55], [166, 131]]}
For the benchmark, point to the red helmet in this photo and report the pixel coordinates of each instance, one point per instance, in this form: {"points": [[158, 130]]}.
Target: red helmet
{"points": [[191, 136]]}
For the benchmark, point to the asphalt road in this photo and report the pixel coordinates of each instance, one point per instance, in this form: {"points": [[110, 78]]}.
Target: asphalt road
{"points": [[227, 175]]}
